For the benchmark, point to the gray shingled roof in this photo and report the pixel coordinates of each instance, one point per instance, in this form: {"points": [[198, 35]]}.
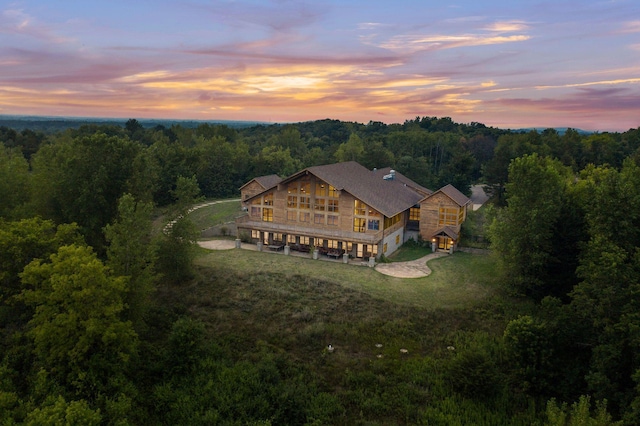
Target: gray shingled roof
{"points": [[266, 182], [402, 178], [389, 197], [448, 231], [457, 196]]}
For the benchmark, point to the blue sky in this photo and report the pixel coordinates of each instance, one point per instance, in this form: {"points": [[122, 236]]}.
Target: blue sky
{"points": [[503, 63]]}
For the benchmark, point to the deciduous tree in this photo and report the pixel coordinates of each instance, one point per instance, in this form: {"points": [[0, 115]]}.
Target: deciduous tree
{"points": [[80, 339]]}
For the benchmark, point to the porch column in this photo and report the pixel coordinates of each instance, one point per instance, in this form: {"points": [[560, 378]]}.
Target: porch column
{"points": [[260, 240]]}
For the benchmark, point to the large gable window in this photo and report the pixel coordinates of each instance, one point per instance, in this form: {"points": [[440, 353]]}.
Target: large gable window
{"points": [[321, 189], [448, 216], [305, 202]]}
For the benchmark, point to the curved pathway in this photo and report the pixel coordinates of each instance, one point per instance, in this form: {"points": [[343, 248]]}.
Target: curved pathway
{"points": [[199, 206], [413, 269]]}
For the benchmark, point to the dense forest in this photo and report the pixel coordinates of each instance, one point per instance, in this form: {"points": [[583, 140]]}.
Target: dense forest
{"points": [[88, 336]]}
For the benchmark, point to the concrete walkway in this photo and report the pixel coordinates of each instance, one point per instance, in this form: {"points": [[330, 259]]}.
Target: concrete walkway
{"points": [[413, 269]]}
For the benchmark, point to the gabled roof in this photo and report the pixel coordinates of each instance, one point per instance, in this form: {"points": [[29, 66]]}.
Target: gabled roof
{"points": [[402, 178], [449, 231], [389, 197], [451, 192], [266, 182]]}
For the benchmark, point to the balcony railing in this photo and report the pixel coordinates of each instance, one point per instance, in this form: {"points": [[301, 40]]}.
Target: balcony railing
{"points": [[338, 234]]}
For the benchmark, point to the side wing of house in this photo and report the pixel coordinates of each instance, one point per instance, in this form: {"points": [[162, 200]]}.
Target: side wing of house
{"points": [[250, 189], [256, 186], [441, 216]]}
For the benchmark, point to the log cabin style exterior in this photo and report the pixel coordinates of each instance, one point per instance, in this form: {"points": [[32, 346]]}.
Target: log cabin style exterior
{"points": [[345, 208]]}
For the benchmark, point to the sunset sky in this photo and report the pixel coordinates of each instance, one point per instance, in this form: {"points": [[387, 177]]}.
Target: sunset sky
{"points": [[504, 63]]}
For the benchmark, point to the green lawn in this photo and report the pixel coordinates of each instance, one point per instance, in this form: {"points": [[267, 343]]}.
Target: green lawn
{"points": [[215, 214], [458, 281], [409, 252]]}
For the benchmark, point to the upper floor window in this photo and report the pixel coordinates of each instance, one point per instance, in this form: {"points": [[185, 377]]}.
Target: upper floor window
{"points": [[414, 213], [268, 199], [448, 216], [359, 208], [333, 192], [305, 202], [267, 215]]}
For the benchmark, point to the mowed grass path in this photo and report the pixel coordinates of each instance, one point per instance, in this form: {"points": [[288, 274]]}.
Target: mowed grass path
{"points": [[215, 214], [457, 281]]}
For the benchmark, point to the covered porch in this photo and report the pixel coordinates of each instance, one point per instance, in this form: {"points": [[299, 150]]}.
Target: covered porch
{"points": [[444, 239]]}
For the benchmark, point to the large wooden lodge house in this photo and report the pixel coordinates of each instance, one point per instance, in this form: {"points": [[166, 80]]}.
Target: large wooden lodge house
{"points": [[346, 208]]}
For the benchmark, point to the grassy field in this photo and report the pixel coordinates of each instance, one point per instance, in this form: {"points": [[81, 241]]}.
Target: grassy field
{"points": [[392, 361], [457, 281], [215, 214], [409, 252], [389, 334]]}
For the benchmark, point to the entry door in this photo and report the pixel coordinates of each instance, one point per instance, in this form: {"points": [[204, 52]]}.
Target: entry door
{"points": [[359, 250], [444, 243]]}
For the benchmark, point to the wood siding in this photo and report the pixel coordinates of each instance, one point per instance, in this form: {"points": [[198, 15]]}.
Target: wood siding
{"points": [[251, 189], [430, 214]]}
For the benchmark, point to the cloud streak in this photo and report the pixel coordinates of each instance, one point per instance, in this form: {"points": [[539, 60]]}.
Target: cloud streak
{"points": [[293, 61]]}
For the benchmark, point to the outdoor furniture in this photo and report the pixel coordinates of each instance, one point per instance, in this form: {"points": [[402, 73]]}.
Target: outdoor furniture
{"points": [[276, 247], [336, 253], [302, 248]]}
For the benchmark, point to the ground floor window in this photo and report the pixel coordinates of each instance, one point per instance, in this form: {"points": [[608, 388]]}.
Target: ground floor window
{"points": [[291, 239], [332, 243], [255, 234]]}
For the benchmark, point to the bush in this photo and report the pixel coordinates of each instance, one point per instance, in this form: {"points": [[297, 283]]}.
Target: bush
{"points": [[473, 374]]}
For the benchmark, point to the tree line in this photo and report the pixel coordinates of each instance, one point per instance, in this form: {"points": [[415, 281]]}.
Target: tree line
{"points": [[79, 257]]}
